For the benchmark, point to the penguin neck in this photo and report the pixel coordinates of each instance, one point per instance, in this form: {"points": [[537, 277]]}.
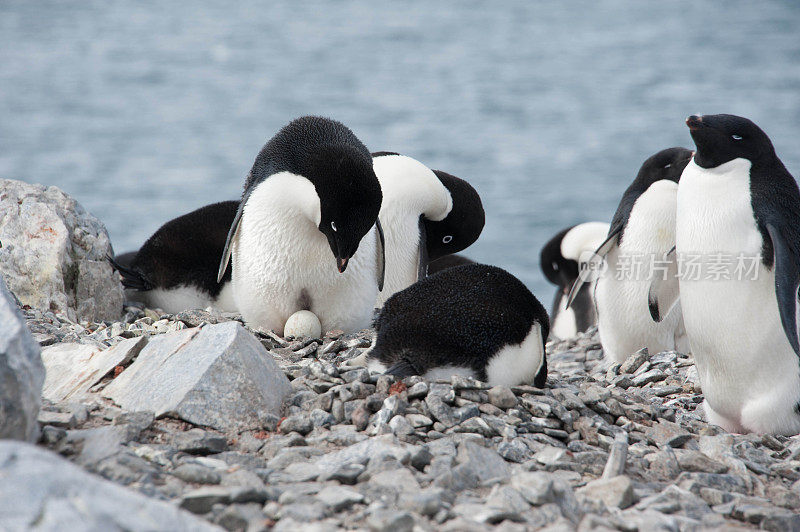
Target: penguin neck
{"points": [[290, 195], [410, 186]]}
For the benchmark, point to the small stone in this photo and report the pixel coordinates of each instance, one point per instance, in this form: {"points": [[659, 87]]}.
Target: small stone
{"points": [[666, 433], [199, 441], [201, 500], [696, 461], [339, 498], [634, 361], [653, 375], [486, 463], [64, 420], [514, 451], [502, 397], [390, 521], [418, 420], [418, 390], [346, 473], [360, 417], [615, 492], [197, 474], [299, 423], [320, 418]]}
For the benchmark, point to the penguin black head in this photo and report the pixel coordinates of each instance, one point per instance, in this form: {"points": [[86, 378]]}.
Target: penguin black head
{"points": [[558, 269], [666, 164], [349, 195], [723, 138], [462, 226]]}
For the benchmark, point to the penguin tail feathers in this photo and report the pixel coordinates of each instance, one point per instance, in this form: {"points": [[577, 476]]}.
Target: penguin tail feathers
{"points": [[130, 278], [401, 369]]}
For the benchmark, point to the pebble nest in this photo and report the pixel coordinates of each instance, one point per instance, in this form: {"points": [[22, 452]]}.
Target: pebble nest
{"points": [[612, 448]]}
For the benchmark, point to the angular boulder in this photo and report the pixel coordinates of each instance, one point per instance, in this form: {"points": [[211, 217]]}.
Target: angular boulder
{"points": [[53, 253], [42, 491], [217, 376], [21, 373]]}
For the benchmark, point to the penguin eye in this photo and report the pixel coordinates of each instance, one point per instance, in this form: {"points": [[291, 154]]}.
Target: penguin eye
{"points": [[736, 137], [555, 266], [333, 226], [447, 239]]}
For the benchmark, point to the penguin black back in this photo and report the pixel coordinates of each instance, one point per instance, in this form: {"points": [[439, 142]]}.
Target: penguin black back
{"points": [[459, 317], [183, 251], [448, 261]]}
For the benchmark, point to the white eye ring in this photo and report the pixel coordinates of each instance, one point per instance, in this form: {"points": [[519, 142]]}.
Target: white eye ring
{"points": [[667, 165], [736, 137], [447, 239], [333, 226]]}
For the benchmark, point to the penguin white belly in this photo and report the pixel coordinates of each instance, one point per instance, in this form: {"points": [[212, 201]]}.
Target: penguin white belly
{"points": [[174, 300], [748, 370], [564, 323], [517, 363], [282, 263], [401, 234], [623, 320], [224, 300]]}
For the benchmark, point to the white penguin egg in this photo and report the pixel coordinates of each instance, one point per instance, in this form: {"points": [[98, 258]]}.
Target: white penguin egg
{"points": [[303, 323]]}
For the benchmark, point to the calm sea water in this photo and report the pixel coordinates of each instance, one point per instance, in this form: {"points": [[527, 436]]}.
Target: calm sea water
{"points": [[144, 111]]}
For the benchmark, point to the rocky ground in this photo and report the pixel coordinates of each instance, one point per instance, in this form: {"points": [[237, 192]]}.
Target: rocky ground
{"points": [[619, 448]]}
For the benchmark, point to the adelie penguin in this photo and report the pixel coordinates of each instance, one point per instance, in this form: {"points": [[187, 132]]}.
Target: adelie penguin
{"points": [[426, 214], [306, 234], [475, 320], [560, 260], [739, 219], [176, 268], [642, 232]]}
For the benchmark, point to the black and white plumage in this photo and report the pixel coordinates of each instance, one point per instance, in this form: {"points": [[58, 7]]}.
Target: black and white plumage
{"points": [[642, 231], [560, 261], [472, 320], [306, 235], [739, 205], [176, 268], [426, 214]]}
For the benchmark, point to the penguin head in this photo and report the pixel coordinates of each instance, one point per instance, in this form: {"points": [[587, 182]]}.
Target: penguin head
{"points": [[666, 164], [558, 269], [463, 224], [349, 196], [723, 138]]}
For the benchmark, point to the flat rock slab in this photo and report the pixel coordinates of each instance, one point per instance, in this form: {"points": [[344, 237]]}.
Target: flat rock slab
{"points": [[73, 368], [42, 491], [21, 373], [218, 376]]}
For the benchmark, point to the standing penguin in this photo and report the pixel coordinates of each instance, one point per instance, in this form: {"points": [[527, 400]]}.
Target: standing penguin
{"points": [[642, 232], [560, 260], [426, 214], [474, 320], [739, 217], [309, 210], [176, 268]]}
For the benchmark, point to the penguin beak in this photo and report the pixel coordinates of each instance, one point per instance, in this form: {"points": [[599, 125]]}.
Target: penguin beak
{"points": [[341, 264], [694, 122]]}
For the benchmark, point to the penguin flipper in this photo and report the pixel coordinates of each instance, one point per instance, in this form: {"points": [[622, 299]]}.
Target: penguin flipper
{"points": [[131, 278], [787, 279], [232, 232], [381, 256], [401, 369], [422, 267], [664, 291], [594, 264]]}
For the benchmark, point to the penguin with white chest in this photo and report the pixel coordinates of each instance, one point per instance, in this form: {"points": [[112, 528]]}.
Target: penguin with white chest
{"points": [[739, 207], [176, 268], [306, 234], [642, 232], [560, 260], [426, 214], [475, 320]]}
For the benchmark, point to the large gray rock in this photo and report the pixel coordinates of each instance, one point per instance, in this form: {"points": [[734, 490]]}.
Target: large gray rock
{"points": [[42, 491], [53, 253], [21, 373], [219, 376]]}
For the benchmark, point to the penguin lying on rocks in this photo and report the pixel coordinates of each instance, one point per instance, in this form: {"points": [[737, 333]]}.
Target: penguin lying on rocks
{"points": [[474, 320]]}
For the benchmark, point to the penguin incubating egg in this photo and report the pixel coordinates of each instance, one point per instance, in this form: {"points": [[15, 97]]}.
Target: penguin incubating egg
{"points": [[306, 234], [176, 268], [642, 232], [560, 261], [474, 320], [425, 215], [739, 214]]}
